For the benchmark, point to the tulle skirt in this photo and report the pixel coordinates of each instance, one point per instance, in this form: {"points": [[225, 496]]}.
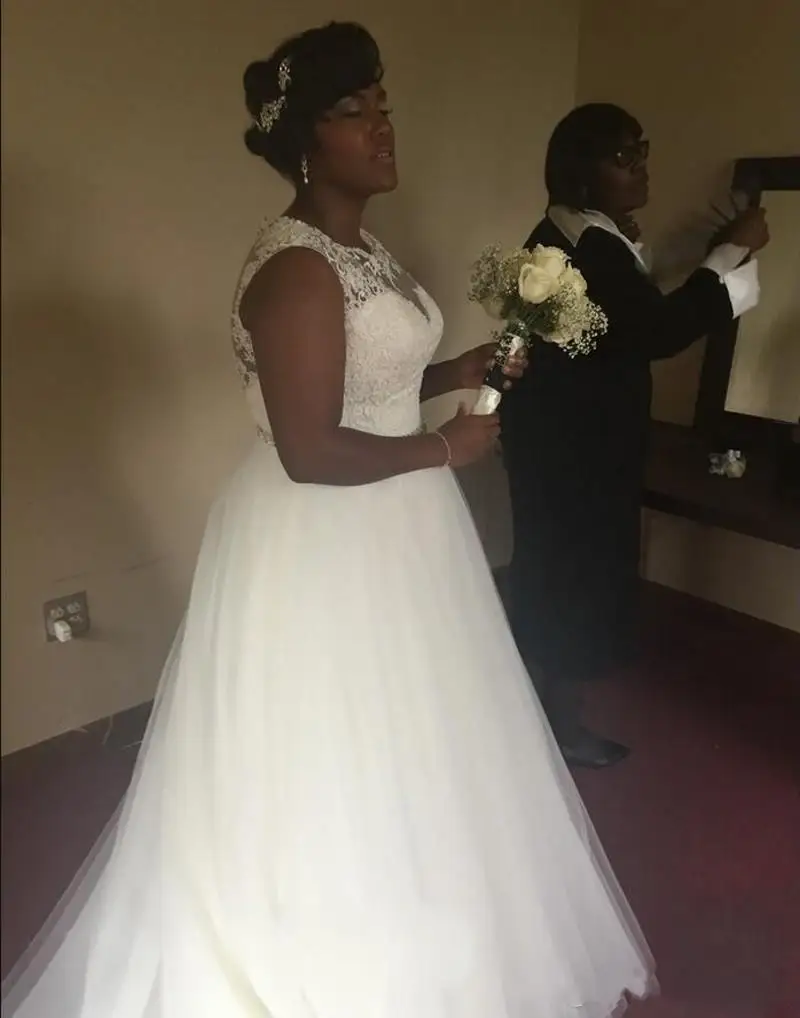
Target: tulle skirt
{"points": [[348, 803]]}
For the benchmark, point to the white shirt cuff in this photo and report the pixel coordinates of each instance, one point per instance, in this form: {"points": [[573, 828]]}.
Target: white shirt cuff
{"points": [[726, 258], [743, 287]]}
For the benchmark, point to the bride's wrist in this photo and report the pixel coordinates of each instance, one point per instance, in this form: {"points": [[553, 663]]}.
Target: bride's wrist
{"points": [[441, 378], [445, 448], [460, 373]]}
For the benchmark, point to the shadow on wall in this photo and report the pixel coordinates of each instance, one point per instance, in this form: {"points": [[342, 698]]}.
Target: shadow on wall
{"points": [[88, 394], [684, 239]]}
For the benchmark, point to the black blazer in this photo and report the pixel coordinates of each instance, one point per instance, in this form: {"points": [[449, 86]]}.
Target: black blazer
{"points": [[601, 401], [574, 436]]}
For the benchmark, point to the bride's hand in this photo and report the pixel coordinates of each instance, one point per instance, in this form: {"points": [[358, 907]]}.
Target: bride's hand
{"points": [[471, 367], [470, 437]]}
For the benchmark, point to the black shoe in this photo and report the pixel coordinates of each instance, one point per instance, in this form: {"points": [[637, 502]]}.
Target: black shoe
{"points": [[590, 750]]}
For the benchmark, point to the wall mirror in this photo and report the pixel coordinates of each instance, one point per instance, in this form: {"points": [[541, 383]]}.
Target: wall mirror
{"points": [[750, 381]]}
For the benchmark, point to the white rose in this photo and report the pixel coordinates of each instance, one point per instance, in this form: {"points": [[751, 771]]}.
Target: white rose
{"points": [[536, 285], [551, 260], [574, 280]]}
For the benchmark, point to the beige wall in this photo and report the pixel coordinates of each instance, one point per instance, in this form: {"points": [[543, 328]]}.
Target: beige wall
{"points": [[711, 82], [129, 201], [128, 204]]}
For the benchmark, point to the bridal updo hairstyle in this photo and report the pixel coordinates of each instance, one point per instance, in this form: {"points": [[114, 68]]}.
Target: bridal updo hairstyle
{"points": [[326, 65], [585, 136]]}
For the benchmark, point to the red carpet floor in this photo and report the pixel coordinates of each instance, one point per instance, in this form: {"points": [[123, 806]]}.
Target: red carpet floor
{"points": [[702, 823]]}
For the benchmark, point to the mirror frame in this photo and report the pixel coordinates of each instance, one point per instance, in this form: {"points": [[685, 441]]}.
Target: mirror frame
{"points": [[753, 176]]}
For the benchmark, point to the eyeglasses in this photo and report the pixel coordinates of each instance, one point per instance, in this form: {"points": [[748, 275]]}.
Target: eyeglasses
{"points": [[632, 155]]}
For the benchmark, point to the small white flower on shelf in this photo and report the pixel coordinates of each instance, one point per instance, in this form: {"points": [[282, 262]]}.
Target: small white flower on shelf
{"points": [[731, 463]]}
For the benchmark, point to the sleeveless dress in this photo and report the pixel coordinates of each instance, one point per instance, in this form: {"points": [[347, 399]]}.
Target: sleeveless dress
{"points": [[348, 803]]}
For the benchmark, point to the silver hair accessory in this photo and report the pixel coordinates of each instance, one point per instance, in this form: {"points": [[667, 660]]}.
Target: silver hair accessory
{"points": [[271, 111]]}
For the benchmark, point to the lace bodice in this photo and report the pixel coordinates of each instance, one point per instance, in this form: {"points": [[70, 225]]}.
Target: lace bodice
{"points": [[392, 327]]}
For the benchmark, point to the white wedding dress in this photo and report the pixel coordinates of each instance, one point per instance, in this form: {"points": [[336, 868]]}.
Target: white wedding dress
{"points": [[348, 803]]}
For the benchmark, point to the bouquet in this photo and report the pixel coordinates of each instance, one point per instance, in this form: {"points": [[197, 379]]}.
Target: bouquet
{"points": [[536, 293]]}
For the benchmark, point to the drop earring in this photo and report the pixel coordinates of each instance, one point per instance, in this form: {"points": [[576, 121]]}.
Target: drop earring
{"points": [[304, 169]]}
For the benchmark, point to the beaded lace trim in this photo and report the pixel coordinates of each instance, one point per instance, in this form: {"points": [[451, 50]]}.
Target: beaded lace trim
{"points": [[363, 274]]}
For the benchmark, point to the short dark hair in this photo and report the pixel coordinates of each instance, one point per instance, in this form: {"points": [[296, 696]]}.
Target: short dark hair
{"points": [[587, 134], [326, 64]]}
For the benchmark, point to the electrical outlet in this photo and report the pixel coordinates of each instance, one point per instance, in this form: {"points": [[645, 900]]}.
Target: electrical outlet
{"points": [[72, 609]]}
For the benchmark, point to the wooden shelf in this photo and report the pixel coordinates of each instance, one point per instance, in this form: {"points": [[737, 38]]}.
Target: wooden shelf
{"points": [[677, 482]]}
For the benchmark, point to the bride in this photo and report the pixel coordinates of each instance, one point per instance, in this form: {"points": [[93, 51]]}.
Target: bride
{"points": [[348, 804]]}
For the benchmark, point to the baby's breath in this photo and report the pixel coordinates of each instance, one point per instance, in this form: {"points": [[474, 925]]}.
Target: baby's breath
{"points": [[566, 318]]}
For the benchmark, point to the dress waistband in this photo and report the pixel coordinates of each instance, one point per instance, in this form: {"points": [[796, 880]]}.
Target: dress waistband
{"points": [[267, 439]]}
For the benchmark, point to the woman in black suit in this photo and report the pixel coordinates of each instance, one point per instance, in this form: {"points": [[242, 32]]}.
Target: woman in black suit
{"points": [[575, 430]]}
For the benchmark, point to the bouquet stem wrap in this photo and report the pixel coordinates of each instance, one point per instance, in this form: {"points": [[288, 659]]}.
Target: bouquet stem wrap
{"points": [[491, 392]]}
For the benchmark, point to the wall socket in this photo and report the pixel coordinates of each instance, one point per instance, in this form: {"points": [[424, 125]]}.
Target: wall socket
{"points": [[72, 609]]}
